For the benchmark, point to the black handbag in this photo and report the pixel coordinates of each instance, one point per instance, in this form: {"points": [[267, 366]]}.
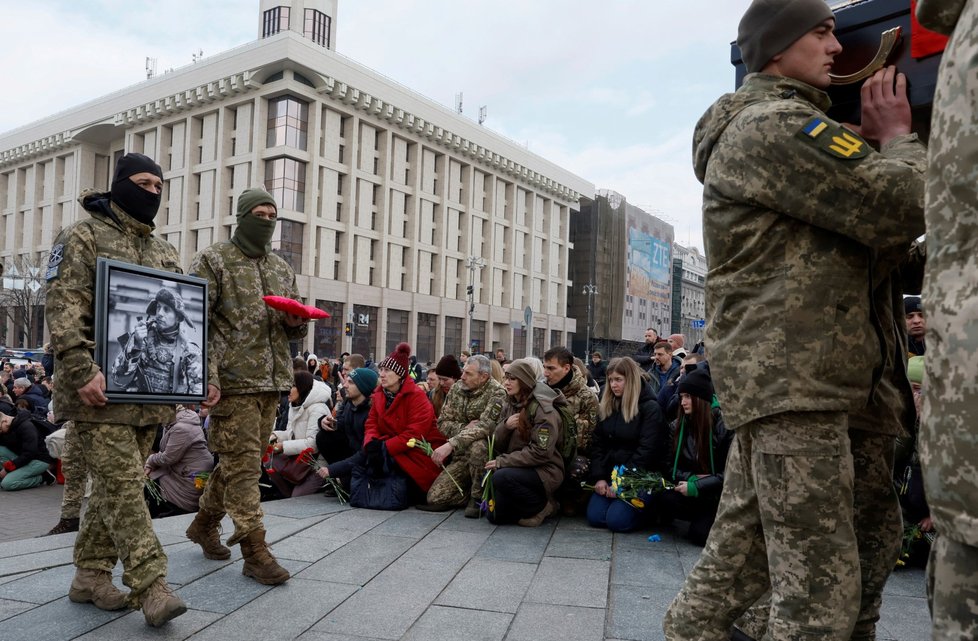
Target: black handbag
{"points": [[388, 491]]}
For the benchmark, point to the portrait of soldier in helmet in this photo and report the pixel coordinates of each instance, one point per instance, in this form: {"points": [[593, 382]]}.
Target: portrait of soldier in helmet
{"points": [[157, 356]]}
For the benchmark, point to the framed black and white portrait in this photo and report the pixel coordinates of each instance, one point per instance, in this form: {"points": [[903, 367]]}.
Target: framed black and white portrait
{"points": [[150, 334]]}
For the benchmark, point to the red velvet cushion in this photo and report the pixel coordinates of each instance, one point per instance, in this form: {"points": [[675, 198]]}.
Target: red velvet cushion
{"points": [[292, 306]]}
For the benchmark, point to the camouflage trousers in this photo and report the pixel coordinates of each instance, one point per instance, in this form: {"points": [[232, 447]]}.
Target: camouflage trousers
{"points": [[952, 589], [444, 491], [478, 457], [117, 524], [240, 426], [75, 471], [879, 529], [785, 522]]}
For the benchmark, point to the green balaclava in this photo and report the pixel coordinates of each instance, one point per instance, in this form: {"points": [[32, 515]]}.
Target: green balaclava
{"points": [[253, 235]]}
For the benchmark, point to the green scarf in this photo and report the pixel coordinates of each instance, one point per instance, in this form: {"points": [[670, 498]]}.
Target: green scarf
{"points": [[253, 235]]}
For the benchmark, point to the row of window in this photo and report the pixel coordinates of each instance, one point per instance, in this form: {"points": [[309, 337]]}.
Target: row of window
{"points": [[315, 26]]}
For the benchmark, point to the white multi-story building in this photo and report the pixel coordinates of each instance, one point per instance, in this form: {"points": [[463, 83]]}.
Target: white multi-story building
{"points": [[689, 293], [390, 204]]}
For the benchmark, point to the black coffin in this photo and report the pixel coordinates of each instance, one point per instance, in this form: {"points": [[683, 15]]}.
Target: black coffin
{"points": [[859, 25]]}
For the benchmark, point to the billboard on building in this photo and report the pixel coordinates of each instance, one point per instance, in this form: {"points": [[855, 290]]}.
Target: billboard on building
{"points": [[648, 274]]}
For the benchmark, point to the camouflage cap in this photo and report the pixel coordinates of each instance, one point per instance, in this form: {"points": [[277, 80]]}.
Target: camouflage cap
{"points": [[171, 299]]}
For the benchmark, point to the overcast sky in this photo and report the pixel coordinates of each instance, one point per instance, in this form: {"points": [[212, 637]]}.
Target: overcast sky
{"points": [[608, 89]]}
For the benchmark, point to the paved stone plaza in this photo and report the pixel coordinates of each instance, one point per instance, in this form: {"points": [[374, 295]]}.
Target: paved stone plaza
{"points": [[359, 575]]}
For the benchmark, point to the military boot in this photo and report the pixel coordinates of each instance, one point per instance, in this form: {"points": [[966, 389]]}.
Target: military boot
{"points": [[95, 586], [64, 526], [472, 510], [159, 604], [259, 563], [205, 531]]}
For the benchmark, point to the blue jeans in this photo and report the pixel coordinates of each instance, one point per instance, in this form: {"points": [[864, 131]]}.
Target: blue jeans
{"points": [[614, 514], [24, 477]]}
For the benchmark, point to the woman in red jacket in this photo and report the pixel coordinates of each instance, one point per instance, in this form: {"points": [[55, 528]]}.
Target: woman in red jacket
{"points": [[400, 411]]}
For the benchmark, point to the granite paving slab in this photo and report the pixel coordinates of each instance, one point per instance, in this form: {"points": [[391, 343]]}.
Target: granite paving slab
{"points": [[513, 543], [44, 587], [907, 618], [186, 563], [282, 613], [578, 543], [315, 635], [59, 619], [35, 561], [16, 577], [573, 582], [411, 523], [635, 612], [303, 507], [636, 566], [453, 624], [9, 608], [390, 603], [359, 561], [457, 521], [907, 582], [38, 544], [226, 590], [489, 584], [543, 622], [133, 626], [351, 523]]}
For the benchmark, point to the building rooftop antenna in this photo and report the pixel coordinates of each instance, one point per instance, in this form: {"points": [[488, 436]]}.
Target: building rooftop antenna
{"points": [[198, 55], [482, 114], [458, 102], [150, 67]]}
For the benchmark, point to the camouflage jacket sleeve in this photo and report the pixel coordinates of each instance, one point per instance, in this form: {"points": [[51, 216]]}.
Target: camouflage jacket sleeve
{"points": [[940, 15], [587, 418], [490, 402], [217, 335], [294, 333], [807, 175], [69, 307]]}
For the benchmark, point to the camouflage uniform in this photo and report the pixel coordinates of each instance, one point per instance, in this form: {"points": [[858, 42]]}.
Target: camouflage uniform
{"points": [[114, 439], [792, 229], [248, 359], [461, 407], [872, 433], [167, 364], [585, 405], [75, 472], [949, 416]]}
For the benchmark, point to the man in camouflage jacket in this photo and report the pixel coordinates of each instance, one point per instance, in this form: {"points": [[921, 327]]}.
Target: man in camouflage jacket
{"points": [[114, 439], [796, 208], [949, 420], [249, 365], [470, 414]]}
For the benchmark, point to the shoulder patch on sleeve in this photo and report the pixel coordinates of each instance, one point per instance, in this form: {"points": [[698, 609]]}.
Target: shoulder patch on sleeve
{"points": [[54, 261], [544, 436], [833, 139]]}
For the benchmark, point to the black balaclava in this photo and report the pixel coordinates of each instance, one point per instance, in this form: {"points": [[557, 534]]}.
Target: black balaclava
{"points": [[130, 197]]}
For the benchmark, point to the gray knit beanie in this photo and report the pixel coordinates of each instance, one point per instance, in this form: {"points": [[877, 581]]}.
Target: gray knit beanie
{"points": [[771, 26]]}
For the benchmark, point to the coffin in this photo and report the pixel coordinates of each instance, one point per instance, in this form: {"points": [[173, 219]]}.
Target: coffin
{"points": [[859, 27]]}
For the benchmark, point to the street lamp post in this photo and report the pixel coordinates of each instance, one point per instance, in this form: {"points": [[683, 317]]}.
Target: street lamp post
{"points": [[473, 263], [590, 289]]}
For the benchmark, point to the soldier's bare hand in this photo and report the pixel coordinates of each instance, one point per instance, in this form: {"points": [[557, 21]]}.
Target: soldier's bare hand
{"points": [[441, 453], [601, 488], [682, 488], [93, 392], [213, 396], [513, 421], [885, 107], [323, 472], [491, 465]]}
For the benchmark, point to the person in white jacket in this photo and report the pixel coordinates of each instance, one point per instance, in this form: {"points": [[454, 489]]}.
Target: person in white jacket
{"points": [[308, 402]]}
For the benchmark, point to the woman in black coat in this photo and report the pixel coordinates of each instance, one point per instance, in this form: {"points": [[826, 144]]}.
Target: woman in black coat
{"points": [[698, 457], [23, 456], [630, 432]]}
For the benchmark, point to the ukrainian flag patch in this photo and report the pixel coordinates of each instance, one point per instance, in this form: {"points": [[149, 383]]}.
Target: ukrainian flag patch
{"points": [[815, 127]]}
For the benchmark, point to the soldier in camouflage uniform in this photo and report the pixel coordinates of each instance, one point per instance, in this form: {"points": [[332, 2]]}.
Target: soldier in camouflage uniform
{"points": [[792, 226], [114, 439], [249, 365], [469, 414], [949, 420], [157, 357], [561, 374]]}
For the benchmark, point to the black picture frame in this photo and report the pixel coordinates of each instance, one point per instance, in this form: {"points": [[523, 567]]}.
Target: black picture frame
{"points": [[143, 362]]}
